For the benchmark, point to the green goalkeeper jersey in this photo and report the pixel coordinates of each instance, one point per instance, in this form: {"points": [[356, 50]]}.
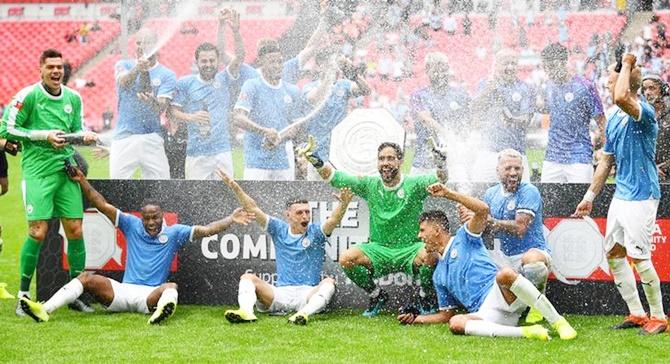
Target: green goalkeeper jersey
{"points": [[31, 116], [394, 212]]}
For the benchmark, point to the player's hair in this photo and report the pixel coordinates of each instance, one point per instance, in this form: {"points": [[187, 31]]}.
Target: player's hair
{"points": [[506, 53], [396, 148], [265, 41], [509, 152], [436, 216], [205, 47], [434, 58], [555, 52], [49, 53], [152, 202], [295, 200], [635, 81], [267, 49]]}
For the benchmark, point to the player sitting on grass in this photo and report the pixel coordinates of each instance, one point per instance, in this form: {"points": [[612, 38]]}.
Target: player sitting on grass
{"points": [[395, 202], [151, 249], [300, 252], [466, 277]]}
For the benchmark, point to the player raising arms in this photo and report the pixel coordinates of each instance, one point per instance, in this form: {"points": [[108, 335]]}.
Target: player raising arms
{"points": [[395, 202], [300, 252], [38, 117], [630, 140], [151, 249], [466, 277]]}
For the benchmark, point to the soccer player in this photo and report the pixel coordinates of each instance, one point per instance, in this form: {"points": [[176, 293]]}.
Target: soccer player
{"points": [[144, 88], [265, 106], [515, 220], [299, 247], [466, 278], [631, 143], [439, 109], [571, 101], [203, 101], [38, 117], [335, 107], [395, 202], [505, 107], [151, 249]]}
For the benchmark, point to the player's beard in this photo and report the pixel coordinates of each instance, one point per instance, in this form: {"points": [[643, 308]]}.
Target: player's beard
{"points": [[511, 184], [207, 73], [388, 174]]}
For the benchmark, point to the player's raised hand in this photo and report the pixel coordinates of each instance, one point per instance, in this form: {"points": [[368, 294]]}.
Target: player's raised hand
{"points": [[234, 20], [55, 139], [630, 59], [224, 176], [345, 196], [242, 217], [308, 151], [583, 209], [224, 15], [438, 190]]}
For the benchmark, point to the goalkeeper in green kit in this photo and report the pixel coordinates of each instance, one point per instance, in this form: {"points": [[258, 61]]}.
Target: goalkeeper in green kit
{"points": [[46, 118], [395, 203]]}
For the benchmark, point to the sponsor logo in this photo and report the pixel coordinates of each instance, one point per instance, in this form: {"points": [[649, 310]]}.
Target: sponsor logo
{"points": [[569, 96], [400, 193], [29, 208], [18, 105], [454, 254]]}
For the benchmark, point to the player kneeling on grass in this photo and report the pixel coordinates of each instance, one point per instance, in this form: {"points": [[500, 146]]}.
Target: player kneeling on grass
{"points": [[151, 249], [299, 247], [466, 277]]}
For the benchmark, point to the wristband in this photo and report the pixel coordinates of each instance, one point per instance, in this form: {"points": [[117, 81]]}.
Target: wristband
{"points": [[589, 196]]}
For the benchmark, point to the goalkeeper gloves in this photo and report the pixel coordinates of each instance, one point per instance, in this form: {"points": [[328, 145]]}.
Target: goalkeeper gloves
{"points": [[308, 152], [439, 153]]}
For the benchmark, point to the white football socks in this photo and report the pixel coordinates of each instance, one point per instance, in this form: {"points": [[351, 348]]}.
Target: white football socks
{"points": [[524, 290], [168, 295], [246, 295], [320, 299], [625, 283], [66, 295], [490, 329], [652, 288]]}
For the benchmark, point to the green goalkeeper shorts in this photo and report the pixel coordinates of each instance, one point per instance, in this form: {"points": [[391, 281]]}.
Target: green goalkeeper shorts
{"points": [[386, 260], [52, 196]]}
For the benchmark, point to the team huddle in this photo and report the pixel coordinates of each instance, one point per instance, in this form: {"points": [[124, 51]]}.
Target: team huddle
{"points": [[456, 272]]}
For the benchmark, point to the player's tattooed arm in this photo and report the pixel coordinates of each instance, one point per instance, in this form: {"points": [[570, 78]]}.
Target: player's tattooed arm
{"points": [[623, 97], [331, 223], [239, 216], [518, 226], [94, 197], [477, 223]]}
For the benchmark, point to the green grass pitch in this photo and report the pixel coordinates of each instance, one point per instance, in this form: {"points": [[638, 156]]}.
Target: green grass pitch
{"points": [[201, 334]]}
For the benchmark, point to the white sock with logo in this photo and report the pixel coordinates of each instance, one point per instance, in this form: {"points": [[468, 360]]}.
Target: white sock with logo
{"points": [[652, 288], [320, 298], [66, 295], [246, 296], [490, 329], [625, 283]]}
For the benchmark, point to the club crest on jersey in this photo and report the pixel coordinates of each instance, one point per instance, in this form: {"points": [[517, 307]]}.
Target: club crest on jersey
{"points": [[156, 82], [288, 99], [516, 97], [454, 254], [306, 242], [511, 205], [67, 108], [569, 96], [454, 105], [339, 92], [216, 84], [162, 238], [400, 193]]}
